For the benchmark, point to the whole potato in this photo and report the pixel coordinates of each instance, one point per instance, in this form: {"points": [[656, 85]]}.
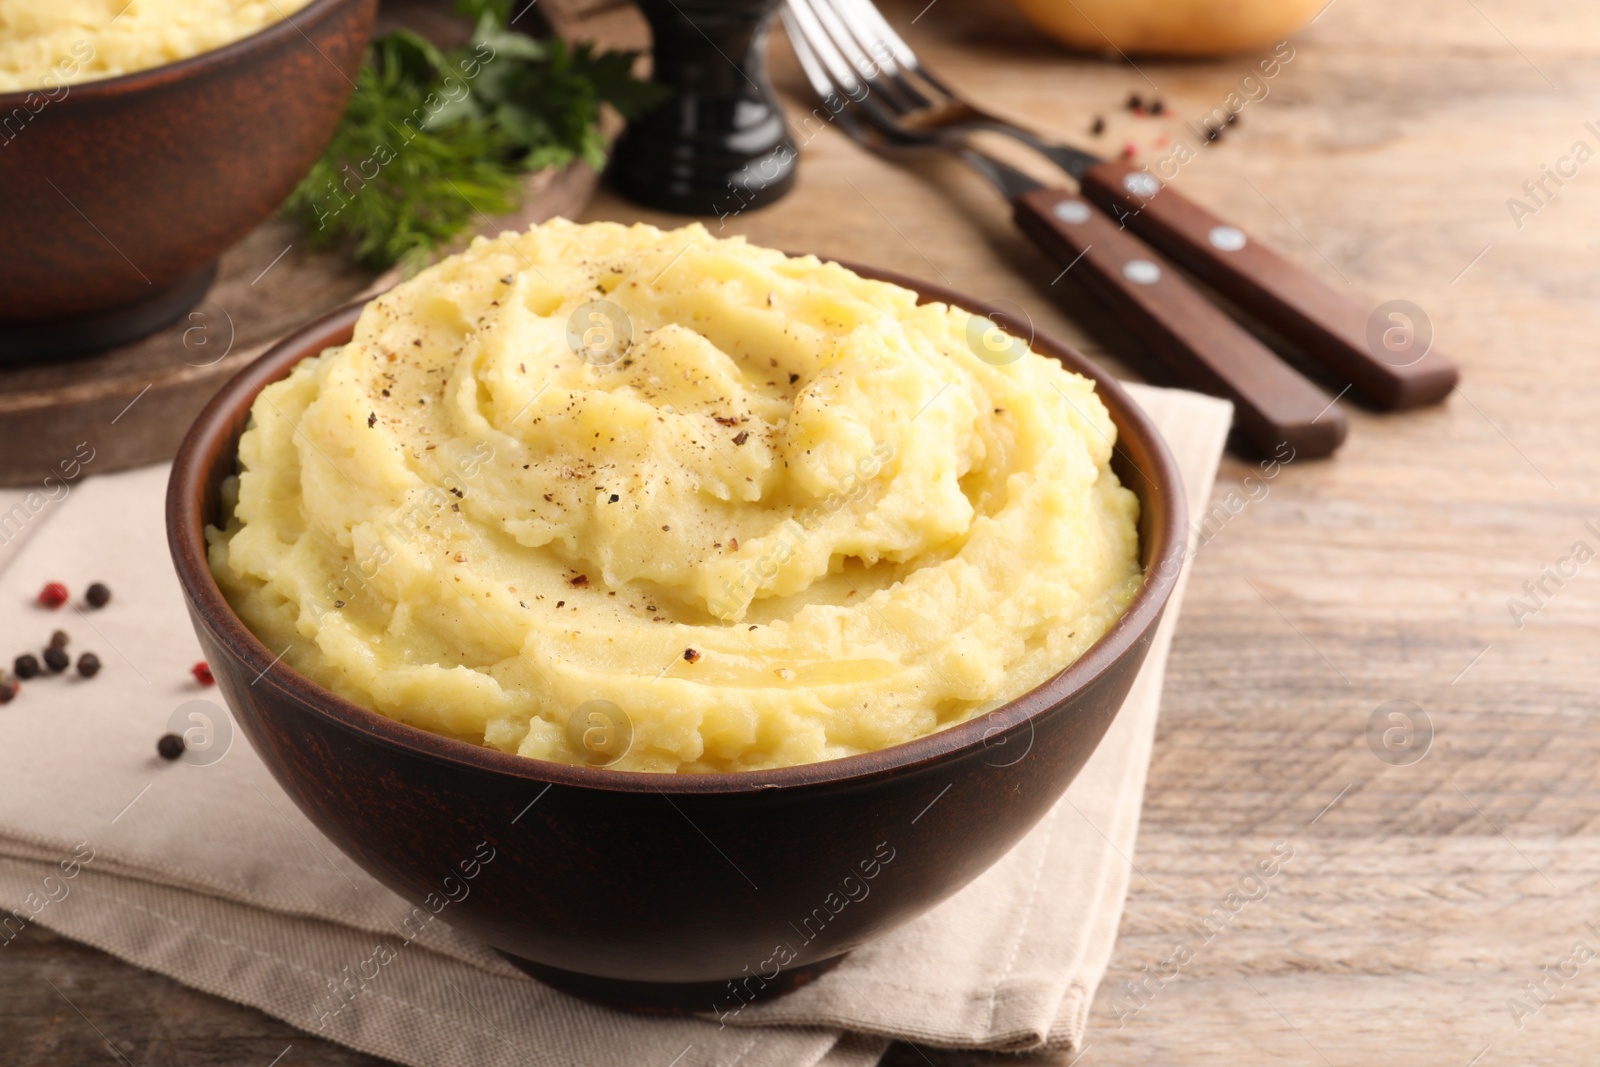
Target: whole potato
{"points": [[1169, 27]]}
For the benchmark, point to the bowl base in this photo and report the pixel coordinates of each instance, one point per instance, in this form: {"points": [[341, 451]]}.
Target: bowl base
{"points": [[79, 335], [723, 997]]}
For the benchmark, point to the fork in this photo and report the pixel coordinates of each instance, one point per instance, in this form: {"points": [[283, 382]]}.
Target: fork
{"points": [[883, 75], [1274, 405]]}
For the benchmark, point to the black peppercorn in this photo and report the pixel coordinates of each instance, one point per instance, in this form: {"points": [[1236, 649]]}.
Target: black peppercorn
{"points": [[59, 639], [1135, 101], [98, 595], [1099, 126], [8, 690], [56, 659], [26, 665], [88, 664], [170, 746]]}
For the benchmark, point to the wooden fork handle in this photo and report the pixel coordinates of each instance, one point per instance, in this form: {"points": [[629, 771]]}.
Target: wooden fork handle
{"points": [[1273, 404], [1375, 350]]}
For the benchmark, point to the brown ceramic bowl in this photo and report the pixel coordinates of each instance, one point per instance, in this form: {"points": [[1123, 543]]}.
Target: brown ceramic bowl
{"points": [[655, 890], [120, 194]]}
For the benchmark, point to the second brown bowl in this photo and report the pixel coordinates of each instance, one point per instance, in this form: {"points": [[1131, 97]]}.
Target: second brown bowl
{"points": [[120, 194]]}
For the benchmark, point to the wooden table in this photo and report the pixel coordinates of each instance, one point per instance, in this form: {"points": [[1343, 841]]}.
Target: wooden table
{"points": [[1420, 898]]}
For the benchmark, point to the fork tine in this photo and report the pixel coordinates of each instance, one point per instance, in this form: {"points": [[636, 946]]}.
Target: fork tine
{"points": [[837, 37], [838, 72], [875, 28], [873, 57], [858, 54], [815, 73], [831, 74]]}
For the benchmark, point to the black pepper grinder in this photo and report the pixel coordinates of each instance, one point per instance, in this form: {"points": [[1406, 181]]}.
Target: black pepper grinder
{"points": [[719, 145]]}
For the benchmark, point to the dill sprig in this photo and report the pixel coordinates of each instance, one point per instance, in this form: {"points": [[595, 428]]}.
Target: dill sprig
{"points": [[433, 140]]}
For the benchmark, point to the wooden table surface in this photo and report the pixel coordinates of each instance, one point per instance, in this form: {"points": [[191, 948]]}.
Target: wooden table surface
{"points": [[1421, 899]]}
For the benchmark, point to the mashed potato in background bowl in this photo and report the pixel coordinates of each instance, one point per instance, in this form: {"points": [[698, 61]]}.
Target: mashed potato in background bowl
{"points": [[762, 511], [49, 43]]}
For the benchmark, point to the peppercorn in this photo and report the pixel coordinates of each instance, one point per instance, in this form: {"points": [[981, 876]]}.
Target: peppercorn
{"points": [[56, 659], [1135, 101], [98, 595], [1098, 126], [8, 690], [202, 673], [26, 665], [170, 746], [53, 595], [1158, 107], [59, 639], [88, 664]]}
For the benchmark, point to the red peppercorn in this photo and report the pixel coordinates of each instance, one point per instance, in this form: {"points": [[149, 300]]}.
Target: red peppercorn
{"points": [[202, 673], [53, 595]]}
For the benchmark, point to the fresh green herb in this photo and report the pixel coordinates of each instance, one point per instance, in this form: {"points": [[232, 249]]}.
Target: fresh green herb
{"points": [[433, 140]]}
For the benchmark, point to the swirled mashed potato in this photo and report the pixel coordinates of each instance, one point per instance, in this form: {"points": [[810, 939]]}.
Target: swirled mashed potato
{"points": [[770, 511], [45, 44]]}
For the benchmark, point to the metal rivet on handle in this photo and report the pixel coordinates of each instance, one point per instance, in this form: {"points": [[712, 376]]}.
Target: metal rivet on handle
{"points": [[1141, 272], [1226, 238], [1071, 211], [1140, 183]]}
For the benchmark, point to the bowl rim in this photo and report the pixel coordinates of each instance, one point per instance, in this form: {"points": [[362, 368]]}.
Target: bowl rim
{"points": [[99, 89], [230, 406]]}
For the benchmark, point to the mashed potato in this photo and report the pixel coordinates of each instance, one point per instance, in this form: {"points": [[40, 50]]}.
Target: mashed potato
{"points": [[45, 44], [757, 511]]}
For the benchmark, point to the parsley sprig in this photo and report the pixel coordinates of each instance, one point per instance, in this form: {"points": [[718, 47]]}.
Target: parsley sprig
{"points": [[433, 139]]}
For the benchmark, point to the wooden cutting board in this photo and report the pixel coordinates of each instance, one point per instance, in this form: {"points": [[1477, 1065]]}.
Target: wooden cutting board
{"points": [[132, 405]]}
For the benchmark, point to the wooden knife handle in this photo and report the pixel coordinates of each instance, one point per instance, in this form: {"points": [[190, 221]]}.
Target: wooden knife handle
{"points": [[1380, 362], [1273, 404]]}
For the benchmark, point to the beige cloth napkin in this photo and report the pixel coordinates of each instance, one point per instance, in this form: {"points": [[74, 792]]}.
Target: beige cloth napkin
{"points": [[206, 872]]}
